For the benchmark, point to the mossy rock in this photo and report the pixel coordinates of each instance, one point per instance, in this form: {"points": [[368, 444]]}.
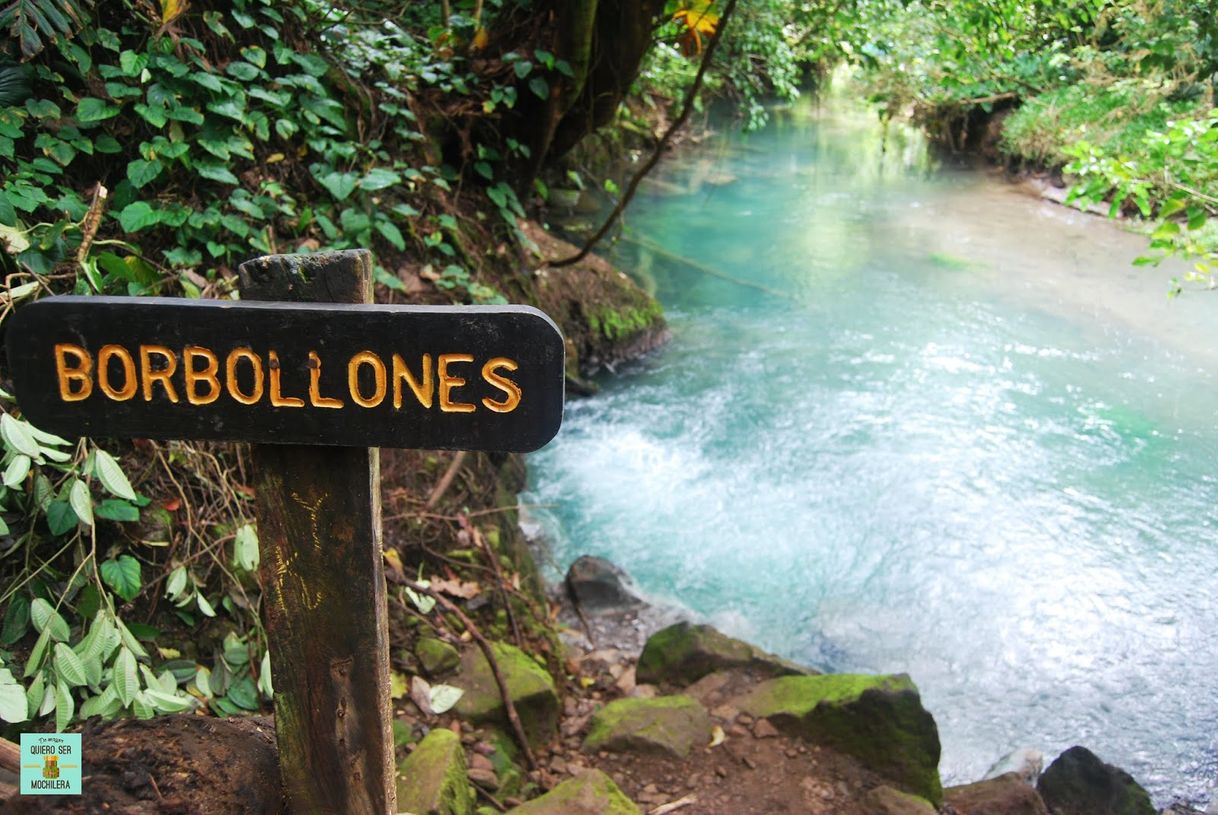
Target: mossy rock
{"points": [[590, 793], [432, 780], [530, 687], [877, 719], [436, 657], [684, 653], [1079, 783], [884, 800], [668, 725], [1006, 794]]}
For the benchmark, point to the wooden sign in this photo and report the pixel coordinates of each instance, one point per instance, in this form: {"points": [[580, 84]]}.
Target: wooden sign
{"points": [[462, 378]]}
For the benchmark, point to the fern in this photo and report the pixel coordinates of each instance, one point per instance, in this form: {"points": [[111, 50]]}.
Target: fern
{"points": [[33, 24]]}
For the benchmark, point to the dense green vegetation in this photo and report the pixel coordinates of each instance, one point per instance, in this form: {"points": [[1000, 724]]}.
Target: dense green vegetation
{"points": [[149, 148]]}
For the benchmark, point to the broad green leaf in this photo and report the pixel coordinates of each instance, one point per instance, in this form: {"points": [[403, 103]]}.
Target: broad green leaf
{"points": [[380, 178], [112, 476], [245, 548], [168, 702], [34, 662], [392, 234], [203, 681], [340, 185], [122, 574], [81, 502], [204, 606], [141, 172], [61, 518], [265, 685], [113, 509], [141, 707], [539, 87], [69, 666], [126, 681], [138, 215], [16, 620], [176, 583], [17, 435], [16, 471], [14, 706], [34, 694], [90, 109], [65, 706], [239, 69], [216, 172], [244, 694], [47, 619], [128, 639], [44, 438]]}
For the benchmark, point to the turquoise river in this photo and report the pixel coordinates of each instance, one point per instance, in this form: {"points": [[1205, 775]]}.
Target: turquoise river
{"points": [[915, 419]]}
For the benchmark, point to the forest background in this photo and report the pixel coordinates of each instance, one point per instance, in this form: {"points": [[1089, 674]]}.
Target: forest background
{"points": [[148, 148]]}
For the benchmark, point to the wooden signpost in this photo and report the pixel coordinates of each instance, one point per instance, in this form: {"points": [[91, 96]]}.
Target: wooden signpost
{"points": [[318, 378]]}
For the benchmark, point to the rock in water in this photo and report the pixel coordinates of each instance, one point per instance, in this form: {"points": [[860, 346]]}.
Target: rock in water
{"points": [[432, 780], [530, 687], [877, 719], [1007, 794], [1025, 763], [590, 793], [684, 653], [1078, 783], [598, 585], [671, 725]]}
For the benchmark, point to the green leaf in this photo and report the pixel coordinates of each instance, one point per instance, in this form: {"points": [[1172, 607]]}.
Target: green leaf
{"points": [[16, 620], [90, 109], [112, 476], [138, 215], [16, 471], [523, 68], [141, 172], [176, 583], [340, 185], [68, 666], [43, 437], [132, 63], [244, 693], [126, 680], [123, 576], [128, 639], [540, 87], [379, 178], [245, 548], [168, 702], [113, 509], [46, 618], [34, 662], [65, 706], [81, 502], [204, 606], [216, 172], [242, 70], [392, 234], [61, 519], [14, 706], [16, 434], [443, 697], [265, 685]]}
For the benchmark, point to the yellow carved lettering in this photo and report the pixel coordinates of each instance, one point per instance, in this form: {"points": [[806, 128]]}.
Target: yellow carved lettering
{"points": [[82, 373], [448, 382], [510, 388], [378, 373], [315, 397], [277, 397], [422, 390], [130, 383], [194, 374], [162, 375], [230, 372]]}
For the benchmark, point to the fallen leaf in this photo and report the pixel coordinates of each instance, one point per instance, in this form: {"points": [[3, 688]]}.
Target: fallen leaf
{"points": [[173, 504], [393, 562], [466, 590], [717, 736], [420, 694]]}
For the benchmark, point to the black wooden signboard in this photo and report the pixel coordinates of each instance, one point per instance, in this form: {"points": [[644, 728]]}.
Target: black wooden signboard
{"points": [[465, 377]]}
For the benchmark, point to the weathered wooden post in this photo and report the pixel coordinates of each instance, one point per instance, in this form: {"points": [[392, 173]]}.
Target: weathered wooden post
{"points": [[319, 532], [318, 379]]}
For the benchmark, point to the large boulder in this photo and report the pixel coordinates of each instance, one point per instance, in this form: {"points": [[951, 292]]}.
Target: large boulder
{"points": [[598, 585], [884, 800], [530, 687], [667, 725], [432, 779], [684, 653], [1079, 783], [436, 657], [590, 793], [877, 719], [1007, 794]]}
